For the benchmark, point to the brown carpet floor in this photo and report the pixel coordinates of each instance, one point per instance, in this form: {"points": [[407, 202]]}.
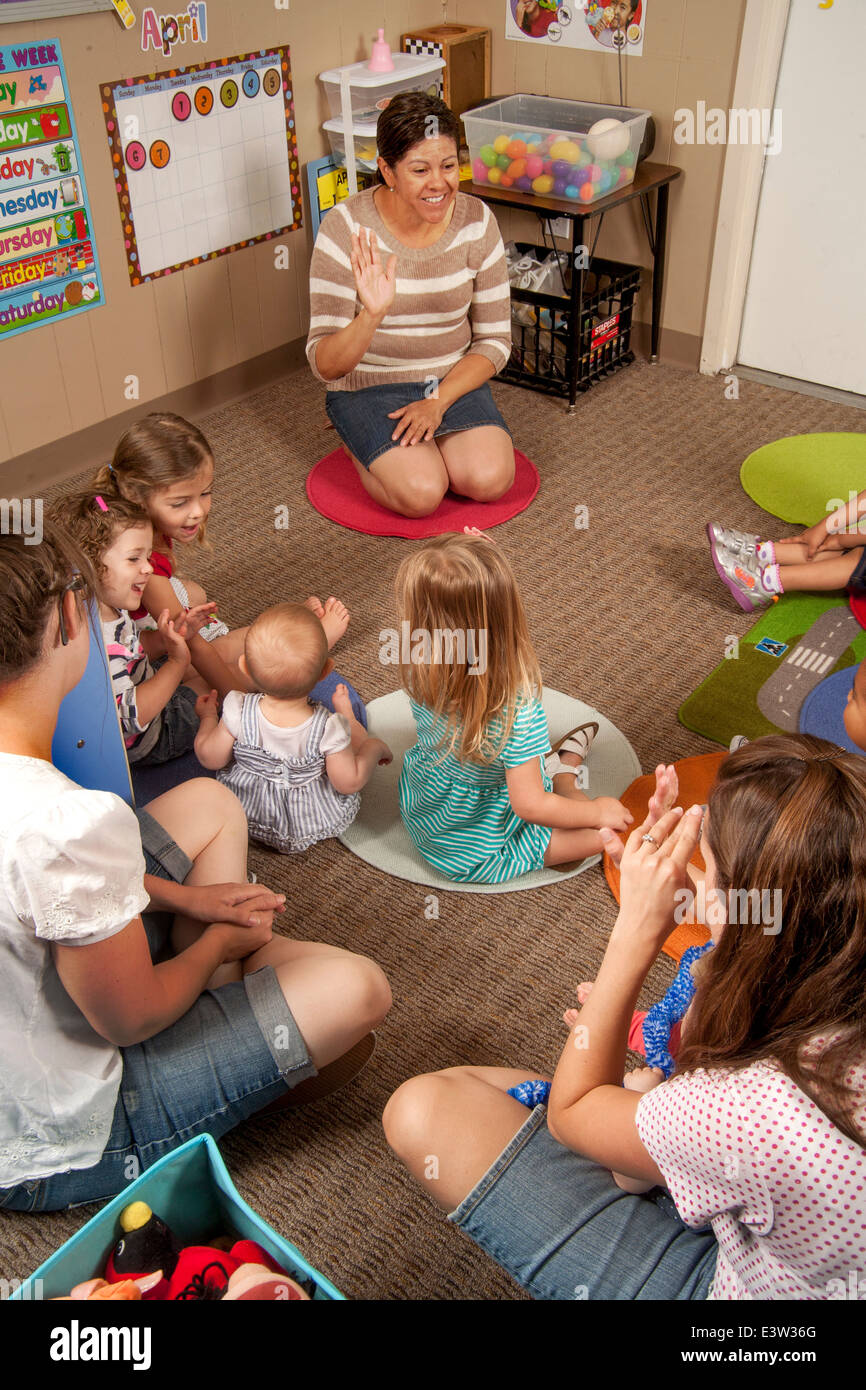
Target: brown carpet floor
{"points": [[629, 615]]}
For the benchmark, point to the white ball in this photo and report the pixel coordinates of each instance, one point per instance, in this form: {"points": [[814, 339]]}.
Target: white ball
{"points": [[608, 139]]}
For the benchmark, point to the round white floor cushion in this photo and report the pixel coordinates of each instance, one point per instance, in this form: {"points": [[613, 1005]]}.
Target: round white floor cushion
{"points": [[379, 837]]}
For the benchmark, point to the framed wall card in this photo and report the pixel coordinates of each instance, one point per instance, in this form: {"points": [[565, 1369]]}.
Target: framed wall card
{"points": [[48, 263], [205, 160]]}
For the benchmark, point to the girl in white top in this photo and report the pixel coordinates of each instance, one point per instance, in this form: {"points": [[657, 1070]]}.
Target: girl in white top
{"points": [[758, 1137], [93, 1034]]}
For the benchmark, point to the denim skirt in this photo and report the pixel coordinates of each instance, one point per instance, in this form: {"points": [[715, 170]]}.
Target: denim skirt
{"points": [[361, 417], [564, 1230]]}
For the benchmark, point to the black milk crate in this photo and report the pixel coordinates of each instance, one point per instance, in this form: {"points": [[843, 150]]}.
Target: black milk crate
{"points": [[543, 354]]}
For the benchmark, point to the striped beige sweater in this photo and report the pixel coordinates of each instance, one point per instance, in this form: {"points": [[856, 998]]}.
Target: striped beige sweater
{"points": [[452, 297]]}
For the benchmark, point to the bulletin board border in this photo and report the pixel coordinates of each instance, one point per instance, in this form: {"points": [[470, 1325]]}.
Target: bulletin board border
{"points": [[121, 183]]}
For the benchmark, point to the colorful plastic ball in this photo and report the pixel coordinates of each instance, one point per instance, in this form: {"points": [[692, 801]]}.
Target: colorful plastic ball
{"points": [[500, 144], [581, 177], [516, 148], [588, 192], [534, 166], [494, 175], [488, 155], [548, 167], [625, 176], [502, 162], [565, 149], [559, 188], [561, 168], [594, 173], [524, 184], [479, 171], [584, 159], [506, 181], [607, 181], [516, 168], [627, 159], [543, 184]]}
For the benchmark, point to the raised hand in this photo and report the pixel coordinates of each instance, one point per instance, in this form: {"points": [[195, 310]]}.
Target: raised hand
{"points": [[376, 284], [194, 619], [175, 647]]}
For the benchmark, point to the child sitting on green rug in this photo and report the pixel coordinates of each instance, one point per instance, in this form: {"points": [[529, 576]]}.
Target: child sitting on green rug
{"points": [[829, 555]]}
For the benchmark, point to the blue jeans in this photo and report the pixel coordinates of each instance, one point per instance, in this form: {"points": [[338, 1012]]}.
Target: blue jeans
{"points": [[560, 1225], [361, 417]]}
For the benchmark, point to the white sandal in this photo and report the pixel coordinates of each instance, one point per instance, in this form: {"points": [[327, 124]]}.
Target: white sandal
{"points": [[577, 741]]}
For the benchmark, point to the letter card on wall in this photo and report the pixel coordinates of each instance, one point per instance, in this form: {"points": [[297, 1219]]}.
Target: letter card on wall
{"points": [[48, 264], [205, 160]]}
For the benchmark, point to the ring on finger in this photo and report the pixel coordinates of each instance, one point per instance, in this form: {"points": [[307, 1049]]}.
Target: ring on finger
{"points": [[645, 838]]}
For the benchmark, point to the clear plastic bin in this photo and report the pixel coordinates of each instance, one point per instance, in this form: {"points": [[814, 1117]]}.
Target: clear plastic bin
{"points": [[371, 91], [364, 137], [542, 146]]}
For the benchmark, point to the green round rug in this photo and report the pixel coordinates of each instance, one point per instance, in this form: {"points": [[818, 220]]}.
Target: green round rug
{"points": [[804, 477]]}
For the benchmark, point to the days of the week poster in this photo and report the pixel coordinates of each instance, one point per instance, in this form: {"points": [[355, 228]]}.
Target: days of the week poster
{"points": [[48, 263]]}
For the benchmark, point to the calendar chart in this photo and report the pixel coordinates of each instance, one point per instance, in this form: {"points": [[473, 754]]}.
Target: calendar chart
{"points": [[205, 160]]}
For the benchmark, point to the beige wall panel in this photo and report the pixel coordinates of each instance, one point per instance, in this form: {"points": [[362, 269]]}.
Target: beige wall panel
{"points": [[210, 316], [278, 293], [33, 389], [131, 344], [245, 297], [78, 364], [712, 31], [170, 298], [664, 34]]}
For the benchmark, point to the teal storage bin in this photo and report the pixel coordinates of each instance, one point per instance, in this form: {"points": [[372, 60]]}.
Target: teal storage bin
{"points": [[191, 1190]]}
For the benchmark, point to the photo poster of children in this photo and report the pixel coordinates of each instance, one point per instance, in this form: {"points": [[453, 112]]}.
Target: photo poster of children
{"points": [[589, 24]]}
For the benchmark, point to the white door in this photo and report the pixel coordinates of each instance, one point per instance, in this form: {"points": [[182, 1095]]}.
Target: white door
{"points": [[805, 310]]}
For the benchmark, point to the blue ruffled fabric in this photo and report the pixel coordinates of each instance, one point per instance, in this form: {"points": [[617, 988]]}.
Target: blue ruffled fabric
{"points": [[656, 1029], [531, 1093], [662, 1016]]}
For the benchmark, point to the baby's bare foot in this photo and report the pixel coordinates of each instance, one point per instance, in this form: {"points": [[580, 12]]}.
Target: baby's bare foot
{"points": [[571, 1016], [341, 701], [335, 620], [667, 789], [315, 606]]}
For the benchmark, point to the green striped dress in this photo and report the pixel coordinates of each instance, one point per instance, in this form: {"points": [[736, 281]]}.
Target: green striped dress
{"points": [[458, 813]]}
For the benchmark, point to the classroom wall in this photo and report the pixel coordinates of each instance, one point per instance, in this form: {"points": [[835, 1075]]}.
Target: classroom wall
{"points": [[227, 321]]}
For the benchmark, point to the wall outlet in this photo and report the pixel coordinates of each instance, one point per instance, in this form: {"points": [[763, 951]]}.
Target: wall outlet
{"points": [[559, 226]]}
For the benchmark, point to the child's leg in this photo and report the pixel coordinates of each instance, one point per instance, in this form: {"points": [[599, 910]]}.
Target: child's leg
{"points": [[210, 825], [567, 846], [826, 571]]}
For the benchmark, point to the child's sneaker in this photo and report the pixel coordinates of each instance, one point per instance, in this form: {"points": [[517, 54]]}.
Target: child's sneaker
{"points": [[741, 544], [744, 582]]}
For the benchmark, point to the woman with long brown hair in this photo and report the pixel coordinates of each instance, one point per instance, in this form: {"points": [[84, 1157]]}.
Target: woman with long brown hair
{"points": [[753, 1151]]}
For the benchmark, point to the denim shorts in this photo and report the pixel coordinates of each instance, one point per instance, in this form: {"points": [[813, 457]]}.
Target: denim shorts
{"points": [[237, 1049], [558, 1223], [179, 728], [857, 578], [361, 417]]}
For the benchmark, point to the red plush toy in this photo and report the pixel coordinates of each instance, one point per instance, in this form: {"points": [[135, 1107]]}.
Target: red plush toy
{"points": [[194, 1272]]}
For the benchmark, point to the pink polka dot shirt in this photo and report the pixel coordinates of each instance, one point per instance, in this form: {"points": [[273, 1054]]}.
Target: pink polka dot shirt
{"points": [[750, 1154]]}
